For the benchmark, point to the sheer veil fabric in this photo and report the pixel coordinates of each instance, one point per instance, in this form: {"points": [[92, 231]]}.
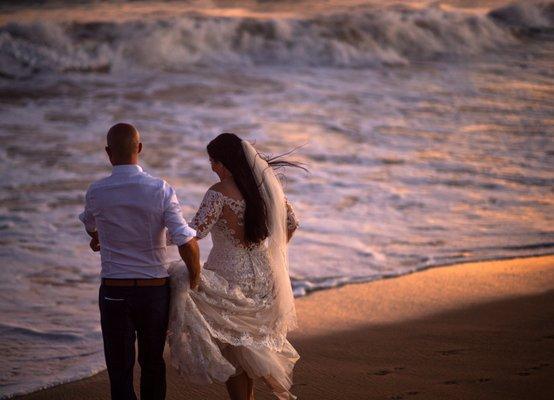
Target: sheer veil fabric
{"points": [[274, 198], [238, 318]]}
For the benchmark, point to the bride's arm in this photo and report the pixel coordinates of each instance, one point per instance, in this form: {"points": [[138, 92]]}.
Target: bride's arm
{"points": [[208, 213], [292, 220]]}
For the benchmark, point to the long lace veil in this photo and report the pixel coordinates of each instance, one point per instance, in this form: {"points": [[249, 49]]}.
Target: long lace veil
{"points": [[274, 198]]}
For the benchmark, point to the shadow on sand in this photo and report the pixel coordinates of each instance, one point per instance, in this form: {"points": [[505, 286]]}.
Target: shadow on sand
{"points": [[497, 350]]}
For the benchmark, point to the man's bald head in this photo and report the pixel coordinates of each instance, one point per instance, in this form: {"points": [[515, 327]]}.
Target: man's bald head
{"points": [[123, 144]]}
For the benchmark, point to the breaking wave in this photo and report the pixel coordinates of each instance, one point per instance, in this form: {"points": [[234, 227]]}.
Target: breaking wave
{"points": [[359, 38]]}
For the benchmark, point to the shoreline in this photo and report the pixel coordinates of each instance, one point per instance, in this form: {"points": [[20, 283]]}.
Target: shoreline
{"points": [[362, 280], [443, 295]]}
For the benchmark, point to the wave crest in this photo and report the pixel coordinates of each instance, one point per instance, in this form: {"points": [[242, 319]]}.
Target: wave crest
{"points": [[358, 38], [526, 17]]}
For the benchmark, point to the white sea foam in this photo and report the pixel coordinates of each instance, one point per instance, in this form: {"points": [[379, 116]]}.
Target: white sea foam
{"points": [[358, 38]]}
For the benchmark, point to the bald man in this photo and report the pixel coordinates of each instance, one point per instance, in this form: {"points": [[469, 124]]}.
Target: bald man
{"points": [[126, 215]]}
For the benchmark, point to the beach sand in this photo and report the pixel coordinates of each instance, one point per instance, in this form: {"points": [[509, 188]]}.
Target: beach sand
{"points": [[469, 331]]}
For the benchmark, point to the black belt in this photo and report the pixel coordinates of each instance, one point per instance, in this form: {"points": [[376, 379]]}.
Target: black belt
{"points": [[135, 282]]}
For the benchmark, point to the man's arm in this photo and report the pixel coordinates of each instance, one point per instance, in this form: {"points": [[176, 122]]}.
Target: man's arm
{"points": [[87, 218], [177, 228], [190, 253], [181, 234]]}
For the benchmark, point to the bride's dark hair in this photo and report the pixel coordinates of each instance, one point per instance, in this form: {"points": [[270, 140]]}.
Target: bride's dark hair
{"points": [[227, 149]]}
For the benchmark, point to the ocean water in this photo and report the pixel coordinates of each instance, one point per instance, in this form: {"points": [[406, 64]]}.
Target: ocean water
{"points": [[427, 128]]}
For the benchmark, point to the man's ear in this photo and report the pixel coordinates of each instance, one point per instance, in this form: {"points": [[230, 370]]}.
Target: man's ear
{"points": [[139, 148]]}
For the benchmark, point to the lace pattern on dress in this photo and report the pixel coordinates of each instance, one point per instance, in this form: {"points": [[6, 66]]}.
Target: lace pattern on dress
{"points": [[231, 304]]}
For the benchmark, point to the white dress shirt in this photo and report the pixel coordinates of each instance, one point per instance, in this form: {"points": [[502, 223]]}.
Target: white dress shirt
{"points": [[130, 211]]}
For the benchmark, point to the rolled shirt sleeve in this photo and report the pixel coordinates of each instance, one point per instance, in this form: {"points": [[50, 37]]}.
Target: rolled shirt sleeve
{"points": [[178, 231], [87, 217]]}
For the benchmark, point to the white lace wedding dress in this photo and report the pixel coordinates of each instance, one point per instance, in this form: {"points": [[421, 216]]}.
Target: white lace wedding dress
{"points": [[222, 329]]}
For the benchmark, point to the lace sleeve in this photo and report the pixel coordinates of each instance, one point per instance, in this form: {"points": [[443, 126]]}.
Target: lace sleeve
{"points": [[208, 213], [292, 220]]}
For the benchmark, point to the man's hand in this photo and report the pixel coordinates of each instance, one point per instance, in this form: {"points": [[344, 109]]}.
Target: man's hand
{"points": [[95, 244], [190, 253]]}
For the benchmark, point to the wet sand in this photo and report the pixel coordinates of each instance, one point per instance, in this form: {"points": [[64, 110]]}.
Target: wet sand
{"points": [[469, 331]]}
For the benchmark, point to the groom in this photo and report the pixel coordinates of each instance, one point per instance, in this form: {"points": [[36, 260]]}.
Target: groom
{"points": [[126, 215]]}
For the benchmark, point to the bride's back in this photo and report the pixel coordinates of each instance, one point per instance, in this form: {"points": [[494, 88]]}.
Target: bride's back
{"points": [[222, 213], [232, 211]]}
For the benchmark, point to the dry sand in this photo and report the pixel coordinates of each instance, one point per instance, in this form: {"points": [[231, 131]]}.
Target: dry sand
{"points": [[469, 331]]}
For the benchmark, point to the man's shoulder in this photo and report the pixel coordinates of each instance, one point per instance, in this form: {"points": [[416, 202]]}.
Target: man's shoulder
{"points": [[155, 184], [141, 178], [148, 179], [99, 183]]}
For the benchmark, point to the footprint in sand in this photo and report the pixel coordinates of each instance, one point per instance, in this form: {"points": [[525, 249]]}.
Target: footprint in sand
{"points": [[399, 396], [382, 372], [527, 371], [450, 352], [455, 382], [387, 371]]}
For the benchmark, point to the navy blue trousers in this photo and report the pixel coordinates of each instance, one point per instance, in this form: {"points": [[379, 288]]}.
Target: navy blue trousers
{"points": [[129, 314]]}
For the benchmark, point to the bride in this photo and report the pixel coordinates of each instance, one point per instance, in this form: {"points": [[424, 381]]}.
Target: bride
{"points": [[229, 323]]}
